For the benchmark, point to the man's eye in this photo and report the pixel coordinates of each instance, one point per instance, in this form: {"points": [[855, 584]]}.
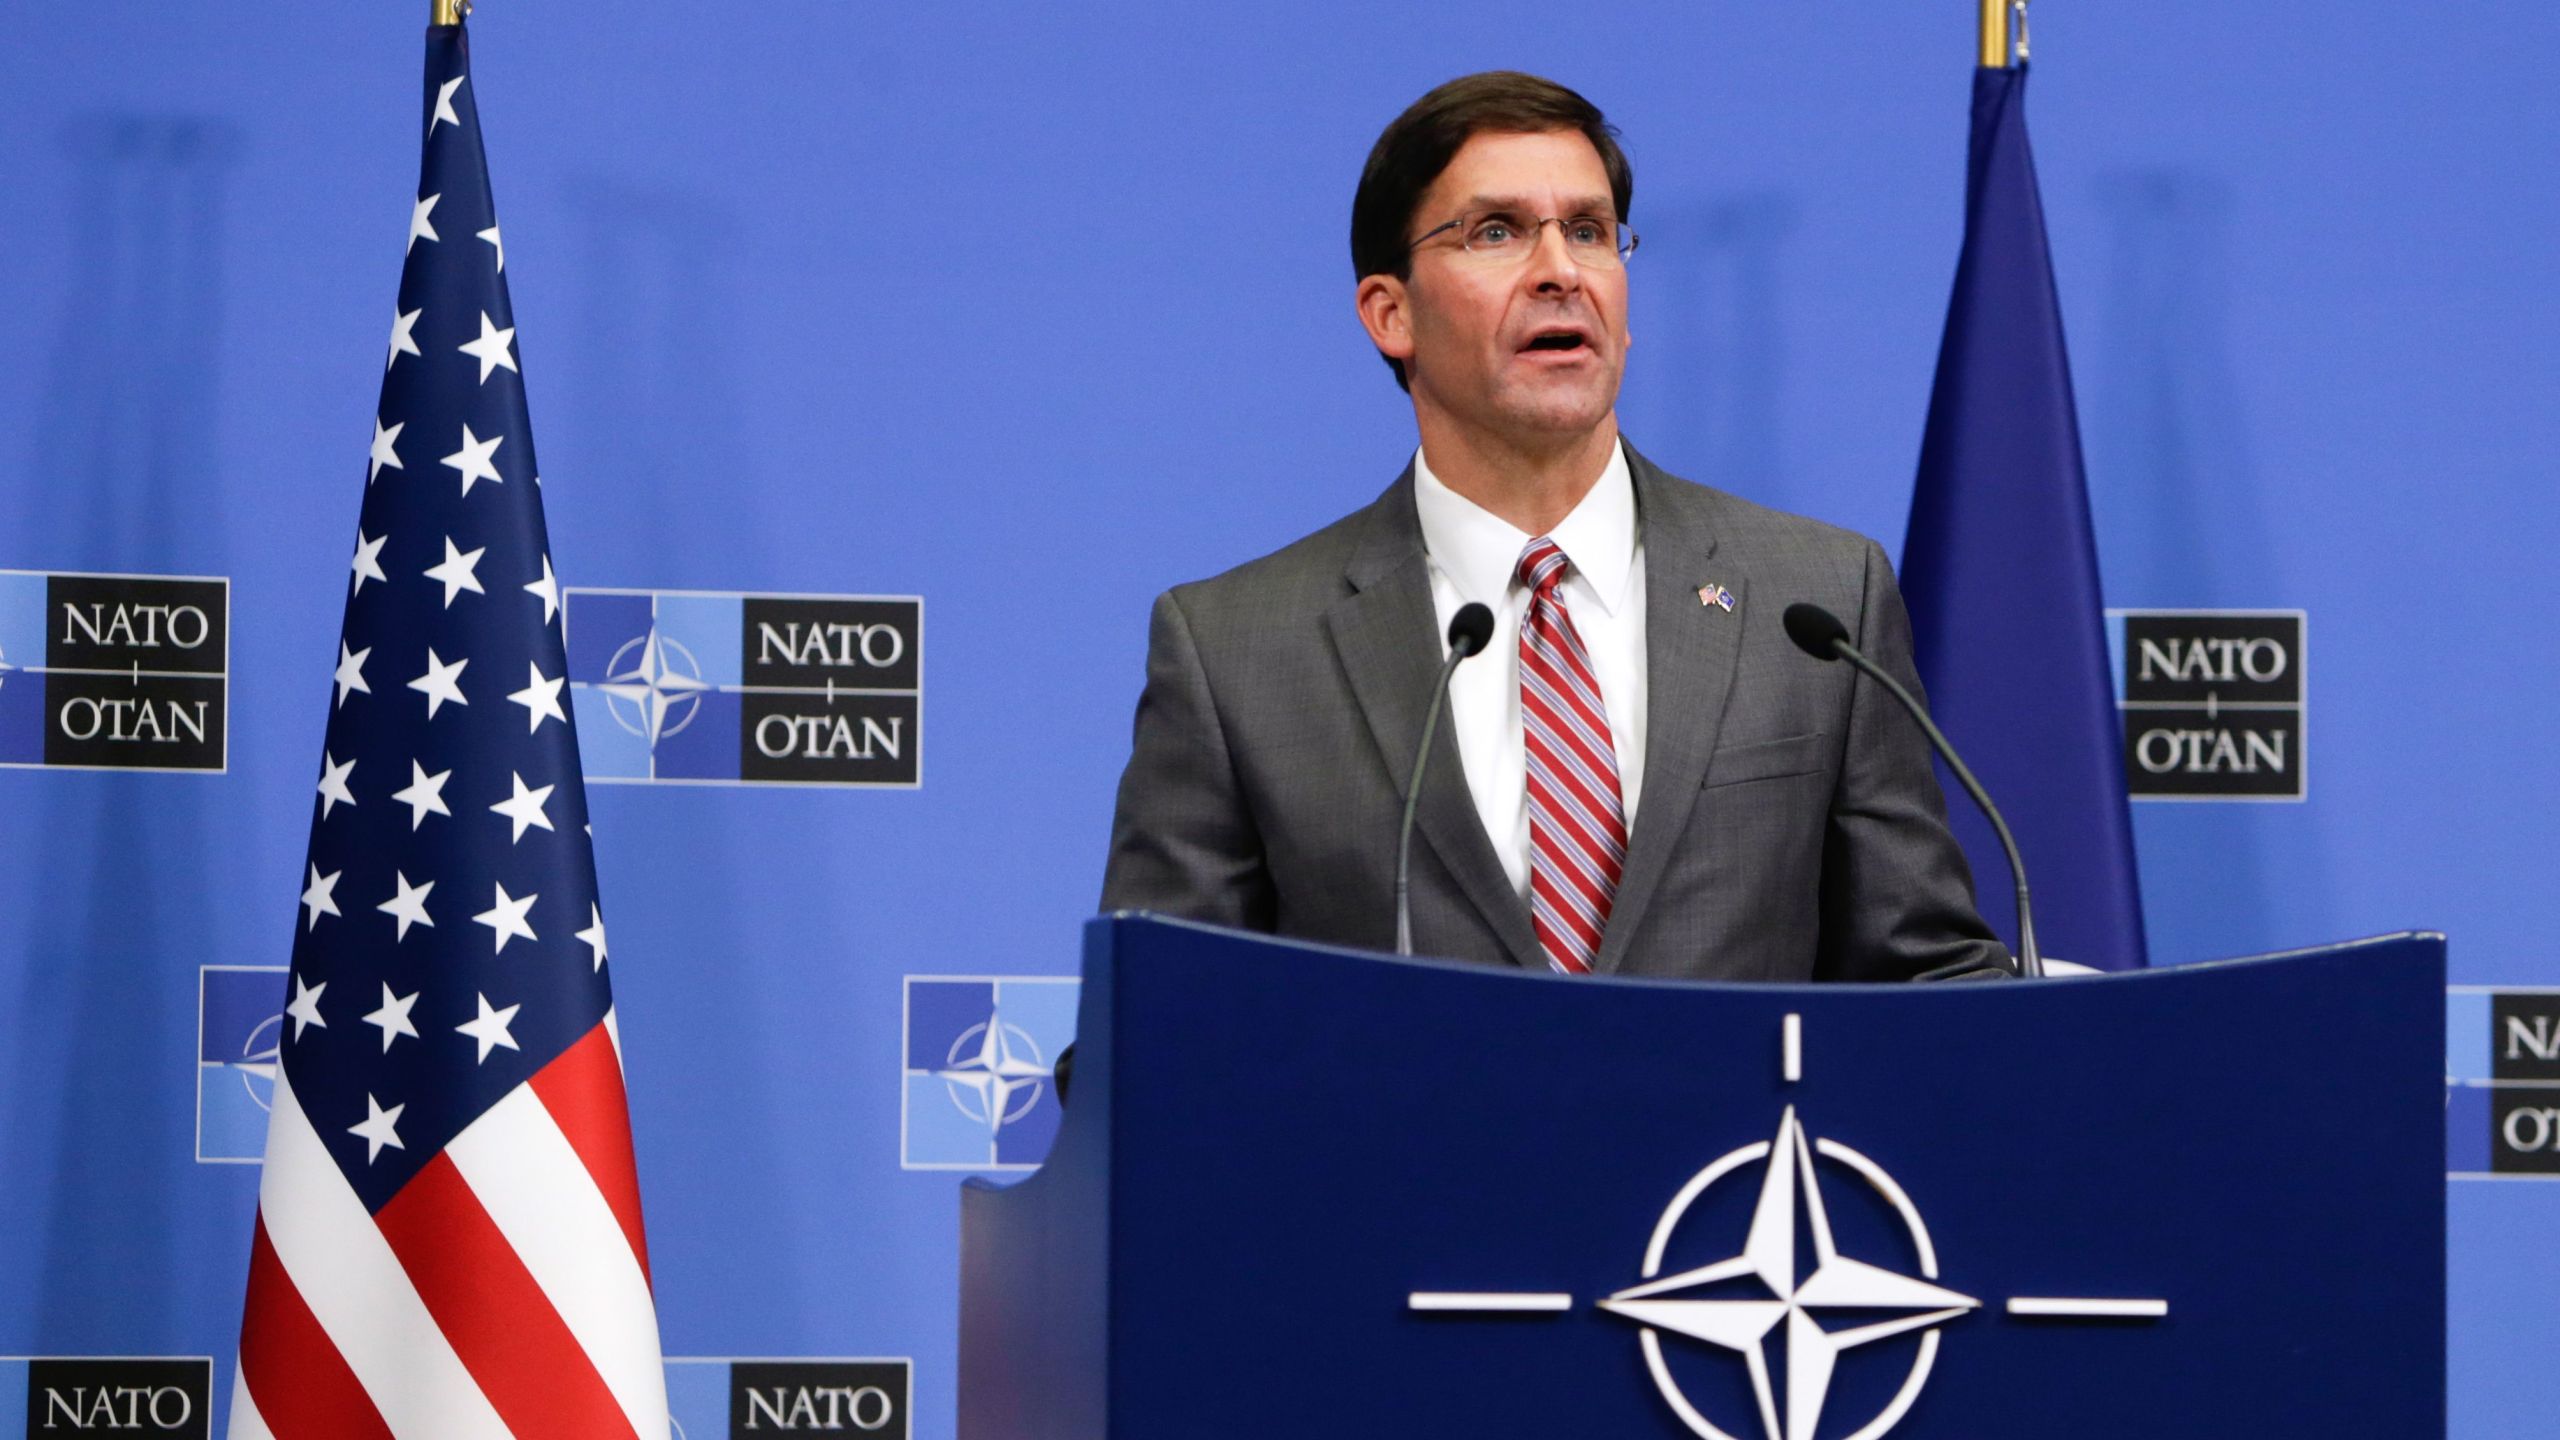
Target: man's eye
{"points": [[1496, 231], [1586, 232]]}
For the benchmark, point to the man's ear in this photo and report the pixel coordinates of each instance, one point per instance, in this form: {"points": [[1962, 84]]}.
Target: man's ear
{"points": [[1384, 313]]}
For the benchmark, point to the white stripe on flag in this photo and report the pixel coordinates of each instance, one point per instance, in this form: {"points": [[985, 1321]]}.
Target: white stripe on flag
{"points": [[542, 1199], [613, 1032], [327, 1241], [246, 1422]]}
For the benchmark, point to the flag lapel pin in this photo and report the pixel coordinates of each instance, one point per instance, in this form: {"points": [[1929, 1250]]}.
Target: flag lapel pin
{"points": [[1717, 596]]}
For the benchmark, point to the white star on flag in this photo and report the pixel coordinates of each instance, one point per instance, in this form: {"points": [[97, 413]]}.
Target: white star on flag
{"points": [[524, 807], [420, 228], [333, 783], [506, 917], [593, 935], [425, 795], [393, 1017], [351, 671], [489, 1027], [491, 235], [409, 907], [491, 348], [368, 561], [379, 1128], [439, 683], [316, 897], [541, 699], [548, 587], [384, 439], [473, 459], [455, 574], [305, 1009], [444, 105], [404, 340]]}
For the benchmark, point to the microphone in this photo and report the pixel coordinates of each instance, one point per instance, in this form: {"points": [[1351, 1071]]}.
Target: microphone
{"points": [[1819, 633], [1469, 631]]}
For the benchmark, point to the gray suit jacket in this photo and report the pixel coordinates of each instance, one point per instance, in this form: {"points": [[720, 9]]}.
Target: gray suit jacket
{"points": [[1791, 827]]}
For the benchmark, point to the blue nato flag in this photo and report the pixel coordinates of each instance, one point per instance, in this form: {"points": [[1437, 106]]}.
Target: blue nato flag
{"points": [[2000, 569]]}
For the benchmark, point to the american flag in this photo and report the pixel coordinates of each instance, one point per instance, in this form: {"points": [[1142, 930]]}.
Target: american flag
{"points": [[448, 1241]]}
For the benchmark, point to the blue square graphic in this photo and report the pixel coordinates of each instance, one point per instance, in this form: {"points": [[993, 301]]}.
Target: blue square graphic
{"points": [[978, 1051], [599, 627], [13, 1388], [607, 749], [700, 741], [239, 1022], [1025, 1142], [707, 627], [938, 1011], [21, 645], [698, 1399], [21, 718], [22, 598], [2466, 1036], [2467, 1118]]}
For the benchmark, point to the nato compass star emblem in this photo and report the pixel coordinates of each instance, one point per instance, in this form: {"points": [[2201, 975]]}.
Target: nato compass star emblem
{"points": [[655, 679], [1788, 1297], [995, 1072]]}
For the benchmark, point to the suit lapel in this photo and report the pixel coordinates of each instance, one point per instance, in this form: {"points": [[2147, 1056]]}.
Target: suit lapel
{"points": [[1384, 632], [1691, 648]]}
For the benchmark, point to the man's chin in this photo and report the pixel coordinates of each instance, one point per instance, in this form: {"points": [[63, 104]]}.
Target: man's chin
{"points": [[1556, 414]]}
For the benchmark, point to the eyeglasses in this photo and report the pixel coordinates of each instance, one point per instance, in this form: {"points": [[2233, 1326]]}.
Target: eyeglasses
{"points": [[1500, 237]]}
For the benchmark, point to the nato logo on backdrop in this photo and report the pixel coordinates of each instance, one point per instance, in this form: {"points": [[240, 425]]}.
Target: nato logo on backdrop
{"points": [[734, 1398], [114, 672], [696, 687], [2212, 703], [73, 1395], [239, 1019], [979, 1050], [2502, 1082]]}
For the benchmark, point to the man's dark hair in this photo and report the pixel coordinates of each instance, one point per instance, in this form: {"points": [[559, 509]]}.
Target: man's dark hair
{"points": [[1418, 144]]}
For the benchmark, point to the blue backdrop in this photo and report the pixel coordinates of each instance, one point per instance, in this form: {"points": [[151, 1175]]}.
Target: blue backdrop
{"points": [[1030, 311]]}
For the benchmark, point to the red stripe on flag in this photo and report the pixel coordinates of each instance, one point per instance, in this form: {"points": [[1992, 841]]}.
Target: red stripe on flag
{"points": [[490, 1308], [583, 1091], [301, 1384]]}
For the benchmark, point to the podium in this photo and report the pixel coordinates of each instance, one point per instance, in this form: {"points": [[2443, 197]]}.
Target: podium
{"points": [[1302, 1191]]}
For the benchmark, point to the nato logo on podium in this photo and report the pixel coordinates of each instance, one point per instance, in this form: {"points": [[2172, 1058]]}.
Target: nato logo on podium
{"points": [[1757, 1303]]}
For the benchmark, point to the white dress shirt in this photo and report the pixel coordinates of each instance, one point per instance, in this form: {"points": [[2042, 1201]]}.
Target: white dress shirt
{"points": [[1475, 555]]}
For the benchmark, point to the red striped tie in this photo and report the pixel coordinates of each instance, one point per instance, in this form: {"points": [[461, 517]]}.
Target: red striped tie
{"points": [[1577, 821]]}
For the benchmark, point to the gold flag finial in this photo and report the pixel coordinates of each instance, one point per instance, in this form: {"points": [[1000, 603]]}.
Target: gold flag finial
{"points": [[1995, 34], [450, 12]]}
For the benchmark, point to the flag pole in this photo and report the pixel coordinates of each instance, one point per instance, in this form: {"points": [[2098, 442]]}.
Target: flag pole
{"points": [[450, 12], [1995, 33]]}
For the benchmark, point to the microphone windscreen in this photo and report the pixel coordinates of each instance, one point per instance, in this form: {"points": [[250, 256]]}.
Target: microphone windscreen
{"points": [[1815, 630], [1471, 629]]}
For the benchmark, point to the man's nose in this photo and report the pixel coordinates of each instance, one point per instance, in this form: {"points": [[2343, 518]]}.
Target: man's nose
{"points": [[1551, 265]]}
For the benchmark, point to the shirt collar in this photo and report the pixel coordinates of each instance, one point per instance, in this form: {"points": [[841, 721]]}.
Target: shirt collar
{"points": [[1480, 551]]}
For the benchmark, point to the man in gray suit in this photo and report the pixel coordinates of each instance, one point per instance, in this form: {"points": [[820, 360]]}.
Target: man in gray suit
{"points": [[1641, 775]]}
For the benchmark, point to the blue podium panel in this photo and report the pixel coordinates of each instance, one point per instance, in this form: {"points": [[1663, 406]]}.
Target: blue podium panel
{"points": [[1304, 1191]]}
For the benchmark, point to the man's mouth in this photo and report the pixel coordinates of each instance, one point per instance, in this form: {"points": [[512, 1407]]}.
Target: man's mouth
{"points": [[1557, 340]]}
